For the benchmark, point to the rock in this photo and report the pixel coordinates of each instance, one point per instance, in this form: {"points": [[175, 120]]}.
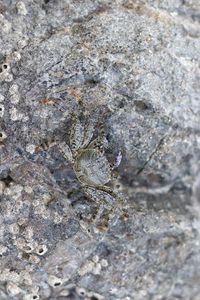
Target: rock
{"points": [[137, 64]]}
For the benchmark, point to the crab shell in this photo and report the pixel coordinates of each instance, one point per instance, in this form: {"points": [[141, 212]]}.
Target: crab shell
{"points": [[92, 168]]}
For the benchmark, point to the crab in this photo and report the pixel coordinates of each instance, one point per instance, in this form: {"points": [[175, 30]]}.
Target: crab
{"points": [[87, 157], [89, 162]]}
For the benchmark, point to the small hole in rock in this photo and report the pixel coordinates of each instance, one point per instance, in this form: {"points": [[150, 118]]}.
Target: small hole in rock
{"points": [[46, 1], [27, 248], [92, 81], [40, 250], [5, 66], [80, 215], [1, 134], [121, 104], [35, 297], [140, 105], [82, 293], [57, 283], [12, 269], [93, 298], [7, 180]]}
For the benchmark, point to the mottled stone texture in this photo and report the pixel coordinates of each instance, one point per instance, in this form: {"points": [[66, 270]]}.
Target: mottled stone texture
{"points": [[139, 62]]}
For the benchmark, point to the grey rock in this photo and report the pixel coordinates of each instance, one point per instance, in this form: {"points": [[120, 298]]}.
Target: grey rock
{"points": [[137, 62]]}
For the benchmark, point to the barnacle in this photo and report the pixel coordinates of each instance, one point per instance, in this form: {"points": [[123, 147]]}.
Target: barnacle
{"points": [[1, 110], [3, 136], [4, 67]]}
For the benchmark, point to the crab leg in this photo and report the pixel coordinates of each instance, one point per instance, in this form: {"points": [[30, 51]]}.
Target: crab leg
{"points": [[76, 135], [66, 152]]}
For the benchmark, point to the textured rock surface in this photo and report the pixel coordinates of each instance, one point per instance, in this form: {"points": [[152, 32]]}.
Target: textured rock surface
{"points": [[139, 60]]}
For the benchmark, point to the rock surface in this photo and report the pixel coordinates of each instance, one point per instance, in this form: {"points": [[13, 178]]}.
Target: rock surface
{"points": [[139, 62]]}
